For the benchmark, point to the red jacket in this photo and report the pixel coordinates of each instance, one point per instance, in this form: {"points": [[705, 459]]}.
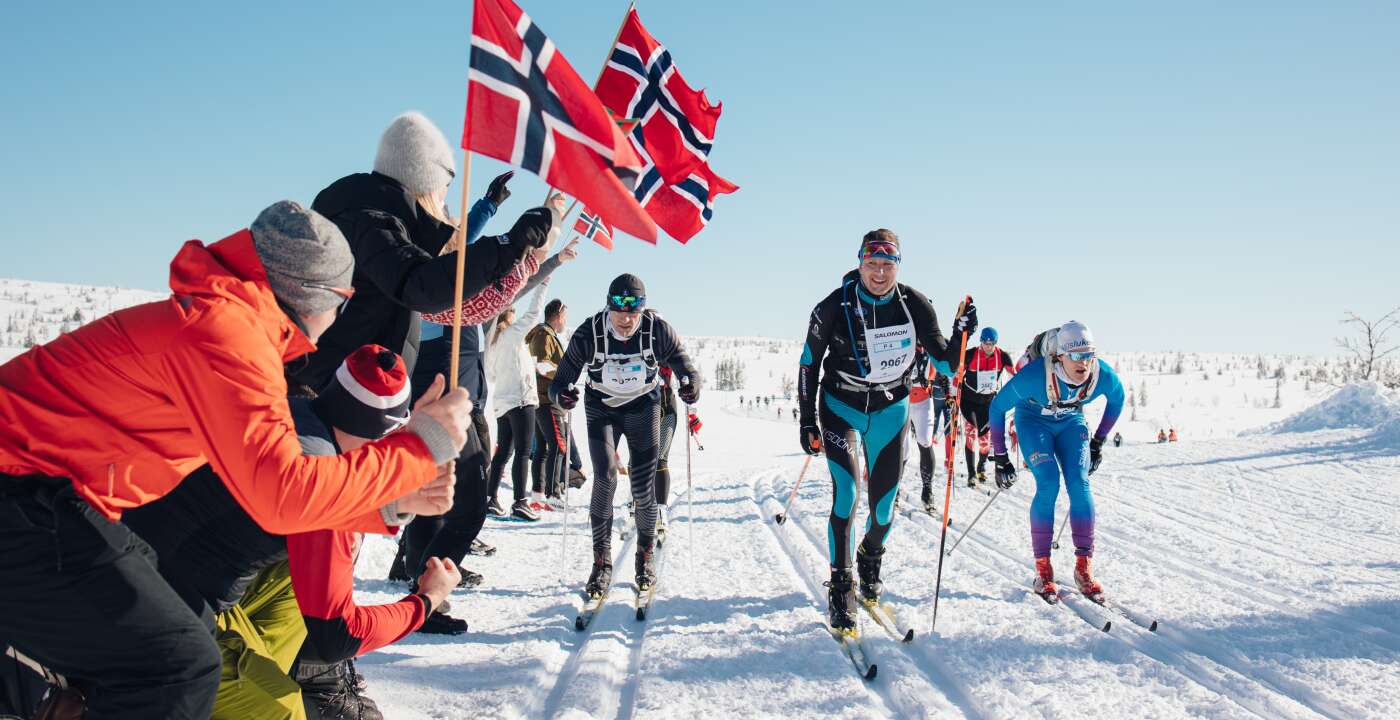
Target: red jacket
{"points": [[130, 404]]}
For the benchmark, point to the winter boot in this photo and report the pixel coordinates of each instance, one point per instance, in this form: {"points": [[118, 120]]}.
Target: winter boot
{"points": [[1084, 578], [440, 623], [601, 578], [841, 600], [334, 691], [646, 563], [520, 510], [1045, 579], [868, 567]]}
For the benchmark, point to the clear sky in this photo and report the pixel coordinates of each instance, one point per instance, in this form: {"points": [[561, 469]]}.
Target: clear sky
{"points": [[1186, 175]]}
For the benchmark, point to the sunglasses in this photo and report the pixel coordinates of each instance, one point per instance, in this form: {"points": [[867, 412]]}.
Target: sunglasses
{"points": [[344, 293], [626, 303], [879, 249], [1081, 356]]}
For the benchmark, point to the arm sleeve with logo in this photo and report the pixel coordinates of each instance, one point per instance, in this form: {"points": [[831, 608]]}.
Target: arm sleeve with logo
{"points": [[1023, 386], [809, 368], [1112, 388]]}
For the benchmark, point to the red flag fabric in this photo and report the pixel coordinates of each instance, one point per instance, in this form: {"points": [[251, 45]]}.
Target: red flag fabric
{"points": [[592, 227], [683, 209], [640, 81], [527, 106], [675, 136]]}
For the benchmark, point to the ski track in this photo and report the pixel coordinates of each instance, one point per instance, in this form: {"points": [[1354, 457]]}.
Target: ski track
{"points": [[919, 689]]}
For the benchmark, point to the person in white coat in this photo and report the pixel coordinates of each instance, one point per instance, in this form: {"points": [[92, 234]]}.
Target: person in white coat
{"points": [[510, 370]]}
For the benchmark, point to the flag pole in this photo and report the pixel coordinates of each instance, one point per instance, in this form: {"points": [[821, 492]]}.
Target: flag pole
{"points": [[461, 269], [630, 6]]}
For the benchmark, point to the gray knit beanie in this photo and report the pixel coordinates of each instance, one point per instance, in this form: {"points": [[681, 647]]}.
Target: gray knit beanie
{"points": [[304, 254], [414, 152]]}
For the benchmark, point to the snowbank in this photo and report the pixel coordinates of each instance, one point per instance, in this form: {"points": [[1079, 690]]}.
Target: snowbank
{"points": [[1356, 405]]}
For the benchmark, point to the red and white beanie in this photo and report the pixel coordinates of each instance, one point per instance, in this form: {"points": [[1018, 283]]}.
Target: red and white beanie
{"points": [[369, 394]]}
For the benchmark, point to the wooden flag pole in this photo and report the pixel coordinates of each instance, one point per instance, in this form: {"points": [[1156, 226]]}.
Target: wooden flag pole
{"points": [[604, 69], [461, 269]]}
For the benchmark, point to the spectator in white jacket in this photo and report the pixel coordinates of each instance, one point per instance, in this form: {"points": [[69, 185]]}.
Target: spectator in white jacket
{"points": [[510, 370]]}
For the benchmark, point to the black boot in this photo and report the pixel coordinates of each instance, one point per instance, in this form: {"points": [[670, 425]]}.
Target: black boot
{"points": [[926, 495], [601, 578], [646, 563], [868, 567], [397, 571], [334, 691], [841, 600], [971, 466]]}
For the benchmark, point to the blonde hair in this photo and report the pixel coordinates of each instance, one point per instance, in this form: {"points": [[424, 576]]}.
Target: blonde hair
{"points": [[501, 324]]}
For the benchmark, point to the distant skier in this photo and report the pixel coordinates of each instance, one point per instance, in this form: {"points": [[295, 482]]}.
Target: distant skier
{"points": [[859, 354], [983, 366], [620, 352], [1048, 396], [1117, 439]]}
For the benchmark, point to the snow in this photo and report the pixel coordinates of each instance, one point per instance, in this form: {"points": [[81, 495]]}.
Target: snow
{"points": [[1269, 557]]}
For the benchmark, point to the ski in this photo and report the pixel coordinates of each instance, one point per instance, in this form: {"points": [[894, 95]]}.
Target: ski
{"points": [[644, 599], [1070, 601], [855, 651], [1132, 616], [885, 616], [590, 610]]}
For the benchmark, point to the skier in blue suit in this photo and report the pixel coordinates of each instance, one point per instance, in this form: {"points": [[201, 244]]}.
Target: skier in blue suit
{"points": [[1049, 394]]}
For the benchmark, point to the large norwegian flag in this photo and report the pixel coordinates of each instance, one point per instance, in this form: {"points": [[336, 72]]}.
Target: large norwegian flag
{"points": [[527, 106], [674, 135]]}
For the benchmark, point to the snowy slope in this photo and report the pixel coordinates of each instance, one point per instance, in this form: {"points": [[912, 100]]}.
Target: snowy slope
{"points": [[1268, 558], [1265, 542]]}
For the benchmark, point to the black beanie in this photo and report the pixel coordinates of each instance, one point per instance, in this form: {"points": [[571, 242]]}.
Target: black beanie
{"points": [[369, 394], [627, 284], [532, 229]]}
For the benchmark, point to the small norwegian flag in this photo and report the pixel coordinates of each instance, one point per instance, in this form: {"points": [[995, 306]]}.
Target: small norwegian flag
{"points": [[592, 227]]}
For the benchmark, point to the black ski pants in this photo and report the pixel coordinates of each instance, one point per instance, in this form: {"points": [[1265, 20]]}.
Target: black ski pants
{"points": [[83, 597], [515, 431], [450, 535], [639, 422]]}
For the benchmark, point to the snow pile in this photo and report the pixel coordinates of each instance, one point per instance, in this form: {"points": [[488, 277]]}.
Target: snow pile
{"points": [[1356, 405]]}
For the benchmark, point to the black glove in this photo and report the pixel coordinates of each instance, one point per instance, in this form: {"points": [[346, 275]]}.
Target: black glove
{"points": [[967, 321], [568, 399], [689, 392], [1006, 471], [497, 192], [811, 438], [1095, 454]]}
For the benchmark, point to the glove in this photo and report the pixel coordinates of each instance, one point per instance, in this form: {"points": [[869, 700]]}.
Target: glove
{"points": [[689, 392], [568, 399], [497, 192], [1095, 454], [811, 438], [967, 321], [1006, 471], [693, 422]]}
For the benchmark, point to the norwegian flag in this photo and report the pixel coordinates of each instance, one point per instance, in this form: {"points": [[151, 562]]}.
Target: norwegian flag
{"points": [[675, 133], [592, 227], [527, 106]]}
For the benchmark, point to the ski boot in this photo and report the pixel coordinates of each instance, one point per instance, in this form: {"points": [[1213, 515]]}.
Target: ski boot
{"points": [[646, 563], [1045, 580], [982, 476], [601, 578], [841, 601], [926, 497], [971, 479], [868, 567], [1084, 578]]}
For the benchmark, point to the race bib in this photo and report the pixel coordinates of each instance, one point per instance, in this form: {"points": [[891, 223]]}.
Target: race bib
{"points": [[891, 351], [986, 382], [623, 377]]}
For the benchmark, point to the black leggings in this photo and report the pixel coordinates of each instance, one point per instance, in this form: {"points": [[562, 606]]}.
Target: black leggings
{"points": [[514, 432], [450, 535], [663, 470], [551, 435], [639, 421]]}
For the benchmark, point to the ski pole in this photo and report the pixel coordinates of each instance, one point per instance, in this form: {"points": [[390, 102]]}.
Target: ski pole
{"points": [[1056, 545], [689, 489], [995, 495], [780, 517], [953, 427], [563, 462]]}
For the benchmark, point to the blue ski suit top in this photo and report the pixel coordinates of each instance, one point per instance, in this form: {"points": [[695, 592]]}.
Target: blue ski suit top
{"points": [[1027, 393]]}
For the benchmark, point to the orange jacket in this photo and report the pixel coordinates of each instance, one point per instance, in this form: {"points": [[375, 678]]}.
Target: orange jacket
{"points": [[128, 405]]}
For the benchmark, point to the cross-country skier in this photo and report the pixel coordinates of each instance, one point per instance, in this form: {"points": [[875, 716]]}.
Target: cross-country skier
{"points": [[1049, 395], [620, 352], [859, 354], [981, 380]]}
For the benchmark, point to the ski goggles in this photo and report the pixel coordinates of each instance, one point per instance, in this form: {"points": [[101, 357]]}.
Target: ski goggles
{"points": [[626, 303], [1083, 356], [344, 293], [879, 250]]}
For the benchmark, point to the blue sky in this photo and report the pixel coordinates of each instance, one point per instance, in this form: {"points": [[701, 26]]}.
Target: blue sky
{"points": [[1190, 175]]}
